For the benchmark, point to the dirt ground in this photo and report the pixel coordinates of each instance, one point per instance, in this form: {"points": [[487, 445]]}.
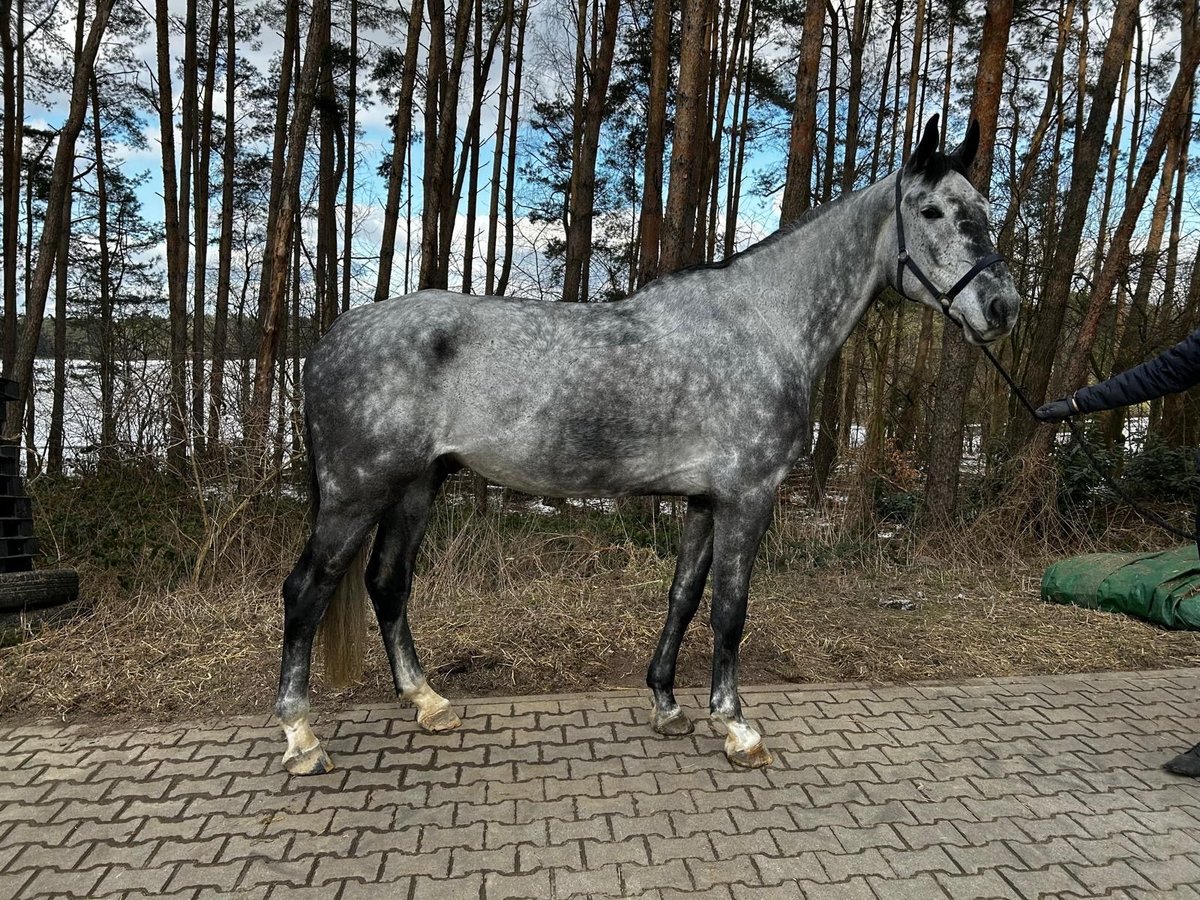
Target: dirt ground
{"points": [[572, 602]]}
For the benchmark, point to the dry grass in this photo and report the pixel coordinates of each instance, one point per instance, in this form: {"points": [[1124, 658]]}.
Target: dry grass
{"points": [[510, 604]]}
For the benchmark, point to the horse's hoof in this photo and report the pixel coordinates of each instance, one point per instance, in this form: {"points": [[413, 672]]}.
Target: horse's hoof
{"points": [[756, 757], [439, 720], [313, 761], [673, 724]]}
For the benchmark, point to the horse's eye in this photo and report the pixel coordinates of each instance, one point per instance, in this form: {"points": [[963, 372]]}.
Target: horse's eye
{"points": [[931, 212]]}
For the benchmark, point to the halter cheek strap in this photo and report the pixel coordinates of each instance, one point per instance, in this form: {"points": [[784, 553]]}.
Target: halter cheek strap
{"points": [[903, 261]]}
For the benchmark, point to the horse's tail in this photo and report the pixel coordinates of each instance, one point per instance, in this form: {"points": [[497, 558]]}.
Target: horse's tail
{"points": [[345, 620]]}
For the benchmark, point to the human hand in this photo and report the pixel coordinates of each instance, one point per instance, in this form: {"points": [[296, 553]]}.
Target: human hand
{"points": [[1055, 411]]}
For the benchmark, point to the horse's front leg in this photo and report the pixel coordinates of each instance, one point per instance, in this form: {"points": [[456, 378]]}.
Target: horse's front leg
{"points": [[691, 571], [738, 530]]}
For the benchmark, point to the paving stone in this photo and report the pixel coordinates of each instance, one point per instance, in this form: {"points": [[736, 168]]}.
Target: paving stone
{"points": [[985, 884], [697, 846], [364, 867], [790, 868], [1050, 881], [498, 886], [706, 874], [466, 888], [223, 876], [915, 887], [641, 878], [1021, 787], [39, 856], [595, 881], [77, 883]]}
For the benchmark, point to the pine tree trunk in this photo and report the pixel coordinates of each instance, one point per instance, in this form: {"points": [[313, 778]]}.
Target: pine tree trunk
{"points": [[1130, 330], [1033, 156], [203, 166], [650, 222], [1047, 329], [498, 153], [401, 132], [349, 157], [332, 156], [271, 313], [108, 429], [469, 161], [958, 358], [216, 392], [680, 217], [511, 175], [582, 191], [13, 133], [279, 146], [738, 136], [1169, 124], [802, 143], [56, 441], [441, 126], [38, 288]]}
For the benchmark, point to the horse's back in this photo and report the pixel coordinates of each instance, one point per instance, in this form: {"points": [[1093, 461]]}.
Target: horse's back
{"points": [[564, 398]]}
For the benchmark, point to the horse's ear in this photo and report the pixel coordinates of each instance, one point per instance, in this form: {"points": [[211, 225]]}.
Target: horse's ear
{"points": [[928, 145], [965, 152]]}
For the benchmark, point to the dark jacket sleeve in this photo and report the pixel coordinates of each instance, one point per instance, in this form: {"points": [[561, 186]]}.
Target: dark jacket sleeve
{"points": [[1172, 371]]}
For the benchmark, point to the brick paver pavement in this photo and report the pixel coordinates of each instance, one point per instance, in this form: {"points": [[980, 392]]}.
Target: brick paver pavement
{"points": [[1037, 787]]}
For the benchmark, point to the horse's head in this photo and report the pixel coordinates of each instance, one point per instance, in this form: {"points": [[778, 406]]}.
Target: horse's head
{"points": [[946, 256]]}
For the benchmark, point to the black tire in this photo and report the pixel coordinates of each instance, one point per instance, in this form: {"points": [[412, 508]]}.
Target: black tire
{"points": [[23, 591]]}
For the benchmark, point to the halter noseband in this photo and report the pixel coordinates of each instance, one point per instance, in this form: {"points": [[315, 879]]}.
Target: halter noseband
{"points": [[903, 260]]}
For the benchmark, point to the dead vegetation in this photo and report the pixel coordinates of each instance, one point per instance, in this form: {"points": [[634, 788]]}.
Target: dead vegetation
{"points": [[517, 602]]}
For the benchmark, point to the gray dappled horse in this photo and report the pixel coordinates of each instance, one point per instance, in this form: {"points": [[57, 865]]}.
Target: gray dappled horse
{"points": [[696, 385]]}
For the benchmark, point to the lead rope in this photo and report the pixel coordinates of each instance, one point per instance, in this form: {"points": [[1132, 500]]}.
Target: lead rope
{"points": [[1137, 507], [946, 300]]}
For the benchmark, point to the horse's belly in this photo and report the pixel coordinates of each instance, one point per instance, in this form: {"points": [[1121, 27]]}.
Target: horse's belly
{"points": [[582, 477]]}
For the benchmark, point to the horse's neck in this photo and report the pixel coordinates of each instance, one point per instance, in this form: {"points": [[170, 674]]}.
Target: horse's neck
{"points": [[814, 282]]}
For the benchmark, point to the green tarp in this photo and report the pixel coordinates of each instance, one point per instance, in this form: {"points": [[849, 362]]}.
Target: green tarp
{"points": [[1161, 587]]}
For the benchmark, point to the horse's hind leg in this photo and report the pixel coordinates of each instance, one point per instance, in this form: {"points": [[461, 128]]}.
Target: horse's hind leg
{"points": [[307, 591], [691, 571], [389, 583]]}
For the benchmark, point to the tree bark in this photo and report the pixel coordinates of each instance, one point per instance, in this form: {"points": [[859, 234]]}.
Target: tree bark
{"points": [[738, 136], [60, 185], [108, 427], [348, 157], [958, 358], [203, 180], [498, 153], [511, 174], [56, 441], [401, 131], [1130, 329], [650, 222], [802, 143], [441, 126], [1169, 123], [329, 177], [583, 173], [682, 194], [1047, 329], [279, 146], [1033, 156], [271, 312], [13, 133], [216, 393]]}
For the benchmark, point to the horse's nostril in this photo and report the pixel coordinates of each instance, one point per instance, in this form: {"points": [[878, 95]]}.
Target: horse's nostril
{"points": [[998, 312]]}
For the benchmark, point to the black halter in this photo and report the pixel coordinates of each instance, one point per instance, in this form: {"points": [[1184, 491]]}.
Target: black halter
{"points": [[903, 260]]}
